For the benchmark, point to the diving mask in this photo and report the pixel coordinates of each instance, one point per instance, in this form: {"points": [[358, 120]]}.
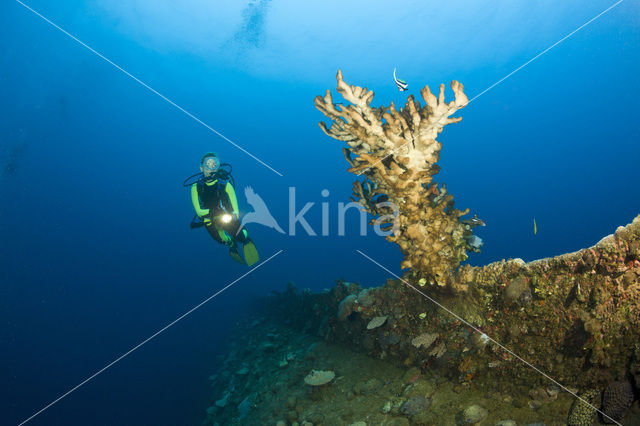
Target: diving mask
{"points": [[210, 165]]}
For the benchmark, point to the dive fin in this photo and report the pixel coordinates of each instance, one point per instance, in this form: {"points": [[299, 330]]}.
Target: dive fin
{"points": [[250, 253], [235, 254]]}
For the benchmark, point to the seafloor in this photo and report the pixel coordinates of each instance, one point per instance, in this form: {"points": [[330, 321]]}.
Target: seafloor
{"points": [[261, 381]]}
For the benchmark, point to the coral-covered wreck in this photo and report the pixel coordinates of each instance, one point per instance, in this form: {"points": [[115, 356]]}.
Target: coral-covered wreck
{"points": [[574, 318]]}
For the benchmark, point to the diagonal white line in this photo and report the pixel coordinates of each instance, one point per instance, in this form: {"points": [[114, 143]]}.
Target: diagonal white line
{"points": [[546, 50], [142, 83], [147, 340], [459, 318], [382, 159], [513, 72]]}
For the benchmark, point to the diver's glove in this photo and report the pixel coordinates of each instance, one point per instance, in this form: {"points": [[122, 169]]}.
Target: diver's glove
{"points": [[195, 225]]}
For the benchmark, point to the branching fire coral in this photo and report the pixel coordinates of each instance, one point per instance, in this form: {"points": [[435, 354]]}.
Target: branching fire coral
{"points": [[396, 151]]}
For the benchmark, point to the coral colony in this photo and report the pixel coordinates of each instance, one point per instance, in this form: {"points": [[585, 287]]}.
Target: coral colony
{"points": [[396, 152]]}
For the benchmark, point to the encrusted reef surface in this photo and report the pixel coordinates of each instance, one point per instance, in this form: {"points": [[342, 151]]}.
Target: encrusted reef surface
{"points": [[575, 317]]}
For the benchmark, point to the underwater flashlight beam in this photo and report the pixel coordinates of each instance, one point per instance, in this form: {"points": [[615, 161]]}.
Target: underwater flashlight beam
{"points": [[477, 330], [510, 74], [145, 85], [148, 339]]}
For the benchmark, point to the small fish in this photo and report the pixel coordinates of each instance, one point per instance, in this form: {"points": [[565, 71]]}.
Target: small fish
{"points": [[402, 85], [474, 221], [535, 227]]}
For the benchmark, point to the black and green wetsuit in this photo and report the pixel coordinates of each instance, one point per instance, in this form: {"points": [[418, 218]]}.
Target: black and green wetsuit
{"points": [[213, 199]]}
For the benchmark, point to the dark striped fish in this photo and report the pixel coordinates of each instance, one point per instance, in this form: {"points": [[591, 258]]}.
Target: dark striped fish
{"points": [[402, 85]]}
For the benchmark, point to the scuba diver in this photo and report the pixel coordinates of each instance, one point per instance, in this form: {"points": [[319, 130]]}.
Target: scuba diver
{"points": [[214, 200]]}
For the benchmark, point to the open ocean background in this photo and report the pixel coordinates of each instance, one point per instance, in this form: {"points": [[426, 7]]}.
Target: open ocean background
{"points": [[96, 254]]}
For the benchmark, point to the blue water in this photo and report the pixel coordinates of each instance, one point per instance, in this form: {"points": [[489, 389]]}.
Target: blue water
{"points": [[96, 252]]}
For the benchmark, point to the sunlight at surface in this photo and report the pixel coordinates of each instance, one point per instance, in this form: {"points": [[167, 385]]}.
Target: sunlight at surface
{"points": [[272, 38]]}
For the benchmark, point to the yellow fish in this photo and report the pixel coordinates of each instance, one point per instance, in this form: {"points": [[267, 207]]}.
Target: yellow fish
{"points": [[535, 227]]}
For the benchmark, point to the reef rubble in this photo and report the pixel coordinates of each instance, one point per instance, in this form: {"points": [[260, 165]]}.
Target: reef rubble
{"points": [[352, 388]]}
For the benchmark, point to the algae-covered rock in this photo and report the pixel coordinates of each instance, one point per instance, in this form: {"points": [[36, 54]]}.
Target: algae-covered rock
{"points": [[439, 350], [388, 339], [424, 340], [398, 421], [479, 340], [222, 402], [366, 297], [315, 418], [291, 402], [415, 405], [371, 386], [516, 290], [393, 405], [474, 414], [245, 406], [411, 375], [583, 413], [420, 387], [346, 307], [634, 368], [268, 347]]}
